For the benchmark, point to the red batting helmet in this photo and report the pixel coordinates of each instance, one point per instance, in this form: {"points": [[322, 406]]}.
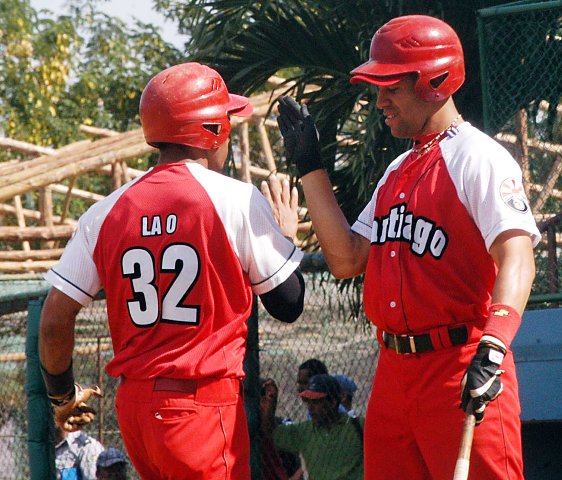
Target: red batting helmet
{"points": [[189, 104], [415, 44]]}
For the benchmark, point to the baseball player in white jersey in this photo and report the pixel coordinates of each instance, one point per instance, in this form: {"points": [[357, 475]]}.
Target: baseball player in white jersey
{"points": [[179, 251], [446, 246]]}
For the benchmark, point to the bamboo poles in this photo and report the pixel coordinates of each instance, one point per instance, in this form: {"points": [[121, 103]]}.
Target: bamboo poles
{"points": [[107, 152]]}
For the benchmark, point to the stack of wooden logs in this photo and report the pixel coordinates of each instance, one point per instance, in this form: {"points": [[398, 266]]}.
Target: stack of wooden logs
{"points": [[44, 169]]}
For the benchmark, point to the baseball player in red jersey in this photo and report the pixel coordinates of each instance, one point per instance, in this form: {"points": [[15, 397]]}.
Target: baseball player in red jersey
{"points": [[446, 245], [179, 251]]}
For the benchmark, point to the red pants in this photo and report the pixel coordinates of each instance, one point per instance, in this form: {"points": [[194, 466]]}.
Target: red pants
{"points": [[199, 433], [414, 424]]}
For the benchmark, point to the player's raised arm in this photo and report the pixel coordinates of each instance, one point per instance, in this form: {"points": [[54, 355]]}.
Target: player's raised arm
{"points": [[286, 301], [345, 251]]}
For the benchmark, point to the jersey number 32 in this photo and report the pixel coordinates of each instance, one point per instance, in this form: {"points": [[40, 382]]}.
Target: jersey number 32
{"points": [[148, 304]]}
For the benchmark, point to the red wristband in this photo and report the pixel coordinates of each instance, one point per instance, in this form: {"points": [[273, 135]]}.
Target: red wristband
{"points": [[503, 323]]}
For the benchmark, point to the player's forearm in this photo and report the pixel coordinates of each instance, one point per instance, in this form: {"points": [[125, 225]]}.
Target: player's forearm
{"points": [[56, 332], [513, 286], [343, 249], [268, 406], [513, 254], [267, 421]]}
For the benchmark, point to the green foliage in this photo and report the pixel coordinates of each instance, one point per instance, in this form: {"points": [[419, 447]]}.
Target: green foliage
{"points": [[117, 63], [83, 67], [35, 57], [313, 42]]}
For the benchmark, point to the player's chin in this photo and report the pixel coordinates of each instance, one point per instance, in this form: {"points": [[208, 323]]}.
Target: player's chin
{"points": [[398, 131], [395, 126]]}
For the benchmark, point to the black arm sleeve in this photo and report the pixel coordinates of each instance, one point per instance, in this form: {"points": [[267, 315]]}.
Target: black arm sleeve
{"points": [[285, 302]]}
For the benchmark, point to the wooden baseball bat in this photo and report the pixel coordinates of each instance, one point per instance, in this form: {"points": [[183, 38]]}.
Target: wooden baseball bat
{"points": [[463, 458]]}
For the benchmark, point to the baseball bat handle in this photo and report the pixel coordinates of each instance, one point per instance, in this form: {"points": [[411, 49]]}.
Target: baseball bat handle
{"points": [[463, 458]]}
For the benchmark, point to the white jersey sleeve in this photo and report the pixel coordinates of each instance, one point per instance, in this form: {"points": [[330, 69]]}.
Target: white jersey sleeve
{"points": [[489, 184], [76, 274], [264, 253]]}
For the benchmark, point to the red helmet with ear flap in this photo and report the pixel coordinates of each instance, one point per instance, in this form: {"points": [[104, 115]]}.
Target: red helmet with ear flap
{"points": [[189, 104], [417, 44]]}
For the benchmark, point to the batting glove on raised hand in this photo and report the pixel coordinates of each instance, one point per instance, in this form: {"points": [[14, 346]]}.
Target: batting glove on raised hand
{"points": [[481, 382], [300, 136], [70, 410]]}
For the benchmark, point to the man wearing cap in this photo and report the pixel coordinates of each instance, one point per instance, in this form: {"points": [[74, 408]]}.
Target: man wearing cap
{"points": [[331, 443], [111, 465], [307, 370]]}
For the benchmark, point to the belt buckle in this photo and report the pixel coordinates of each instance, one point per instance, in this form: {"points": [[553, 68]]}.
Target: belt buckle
{"points": [[410, 339], [412, 344]]}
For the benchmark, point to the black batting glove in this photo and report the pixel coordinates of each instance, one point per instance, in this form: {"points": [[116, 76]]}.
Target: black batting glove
{"points": [[481, 382], [300, 136]]}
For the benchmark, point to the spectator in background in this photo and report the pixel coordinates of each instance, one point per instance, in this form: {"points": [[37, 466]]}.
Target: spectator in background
{"points": [[331, 442], [111, 465], [277, 464], [348, 389], [307, 370], [76, 454]]}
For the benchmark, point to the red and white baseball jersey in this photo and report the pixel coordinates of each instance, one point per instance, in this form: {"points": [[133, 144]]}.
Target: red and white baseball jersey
{"points": [[431, 222], [179, 252]]}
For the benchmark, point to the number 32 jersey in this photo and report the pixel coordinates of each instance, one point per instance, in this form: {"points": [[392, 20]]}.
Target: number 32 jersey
{"points": [[179, 252]]}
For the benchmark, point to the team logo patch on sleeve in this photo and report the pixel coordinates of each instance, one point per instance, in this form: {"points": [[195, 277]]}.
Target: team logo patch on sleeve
{"points": [[513, 195]]}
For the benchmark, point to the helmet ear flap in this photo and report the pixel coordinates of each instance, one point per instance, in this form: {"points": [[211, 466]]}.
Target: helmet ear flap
{"points": [[214, 128], [435, 86], [435, 82], [216, 133], [429, 88]]}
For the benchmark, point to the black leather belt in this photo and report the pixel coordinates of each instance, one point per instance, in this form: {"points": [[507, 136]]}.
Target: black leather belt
{"points": [[422, 343]]}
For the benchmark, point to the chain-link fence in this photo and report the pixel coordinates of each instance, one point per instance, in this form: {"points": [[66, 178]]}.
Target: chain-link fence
{"points": [[325, 331], [92, 352], [328, 330], [13, 430], [331, 332], [521, 55], [521, 67]]}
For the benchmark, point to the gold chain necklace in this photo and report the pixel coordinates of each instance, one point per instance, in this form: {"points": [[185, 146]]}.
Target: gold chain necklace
{"points": [[426, 146]]}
